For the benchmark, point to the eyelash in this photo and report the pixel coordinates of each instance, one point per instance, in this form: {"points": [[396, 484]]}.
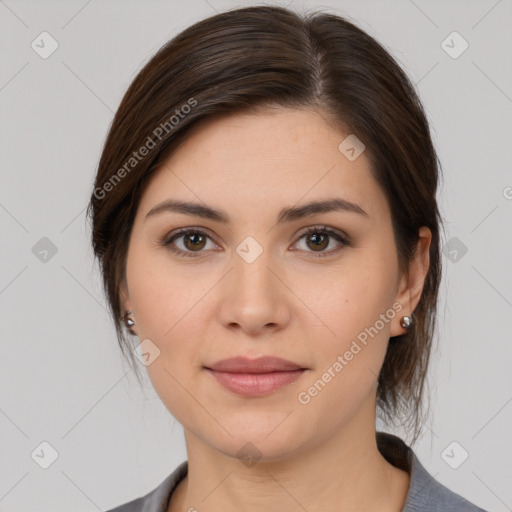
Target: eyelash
{"points": [[167, 242]]}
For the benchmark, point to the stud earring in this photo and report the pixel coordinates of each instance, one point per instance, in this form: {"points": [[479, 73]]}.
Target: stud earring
{"points": [[406, 321], [128, 321]]}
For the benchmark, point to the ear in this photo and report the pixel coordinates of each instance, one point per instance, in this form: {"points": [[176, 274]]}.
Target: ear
{"points": [[411, 284]]}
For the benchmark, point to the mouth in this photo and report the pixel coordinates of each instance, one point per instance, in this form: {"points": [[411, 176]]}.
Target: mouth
{"points": [[255, 377]]}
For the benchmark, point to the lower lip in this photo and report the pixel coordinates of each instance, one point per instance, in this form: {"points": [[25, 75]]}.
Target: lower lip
{"points": [[256, 384]]}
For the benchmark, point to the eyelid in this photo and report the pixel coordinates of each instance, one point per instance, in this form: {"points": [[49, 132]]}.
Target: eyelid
{"points": [[322, 228]]}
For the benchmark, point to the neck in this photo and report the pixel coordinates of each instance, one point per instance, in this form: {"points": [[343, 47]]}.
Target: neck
{"points": [[345, 472]]}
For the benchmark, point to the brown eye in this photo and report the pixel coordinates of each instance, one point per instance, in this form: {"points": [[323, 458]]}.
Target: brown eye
{"points": [[192, 241], [317, 239]]}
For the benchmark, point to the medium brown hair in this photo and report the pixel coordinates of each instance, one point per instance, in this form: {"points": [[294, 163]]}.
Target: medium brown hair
{"points": [[263, 56]]}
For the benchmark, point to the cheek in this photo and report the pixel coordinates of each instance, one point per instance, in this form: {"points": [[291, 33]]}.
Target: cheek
{"points": [[178, 330], [162, 294], [168, 307], [358, 312], [349, 362], [358, 297]]}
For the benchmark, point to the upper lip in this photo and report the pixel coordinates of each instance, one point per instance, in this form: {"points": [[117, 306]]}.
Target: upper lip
{"points": [[264, 364]]}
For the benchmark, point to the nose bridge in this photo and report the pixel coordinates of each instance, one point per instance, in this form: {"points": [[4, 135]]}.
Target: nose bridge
{"points": [[252, 263], [253, 296]]}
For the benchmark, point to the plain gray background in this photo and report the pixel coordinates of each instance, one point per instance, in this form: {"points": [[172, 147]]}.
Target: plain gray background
{"points": [[62, 379]]}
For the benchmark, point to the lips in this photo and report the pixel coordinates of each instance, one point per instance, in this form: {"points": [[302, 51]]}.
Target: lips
{"points": [[255, 377], [261, 365]]}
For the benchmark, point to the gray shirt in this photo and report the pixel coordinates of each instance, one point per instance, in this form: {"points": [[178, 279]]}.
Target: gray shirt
{"points": [[425, 494]]}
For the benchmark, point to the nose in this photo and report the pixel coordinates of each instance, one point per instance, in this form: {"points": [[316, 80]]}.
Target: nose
{"points": [[254, 298]]}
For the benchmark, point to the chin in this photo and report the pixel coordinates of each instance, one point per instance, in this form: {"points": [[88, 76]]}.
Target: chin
{"points": [[255, 441]]}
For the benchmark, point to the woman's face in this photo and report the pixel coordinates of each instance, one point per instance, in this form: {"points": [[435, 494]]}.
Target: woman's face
{"points": [[256, 284]]}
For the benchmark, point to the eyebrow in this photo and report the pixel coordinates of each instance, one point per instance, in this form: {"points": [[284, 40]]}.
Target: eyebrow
{"points": [[285, 215]]}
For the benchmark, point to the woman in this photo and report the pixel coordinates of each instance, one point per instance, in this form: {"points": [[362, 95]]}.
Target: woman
{"points": [[265, 218]]}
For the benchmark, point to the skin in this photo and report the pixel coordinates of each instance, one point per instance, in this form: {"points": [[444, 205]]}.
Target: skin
{"points": [[289, 303]]}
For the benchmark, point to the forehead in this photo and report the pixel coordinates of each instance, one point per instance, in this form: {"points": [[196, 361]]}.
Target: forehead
{"points": [[261, 160]]}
